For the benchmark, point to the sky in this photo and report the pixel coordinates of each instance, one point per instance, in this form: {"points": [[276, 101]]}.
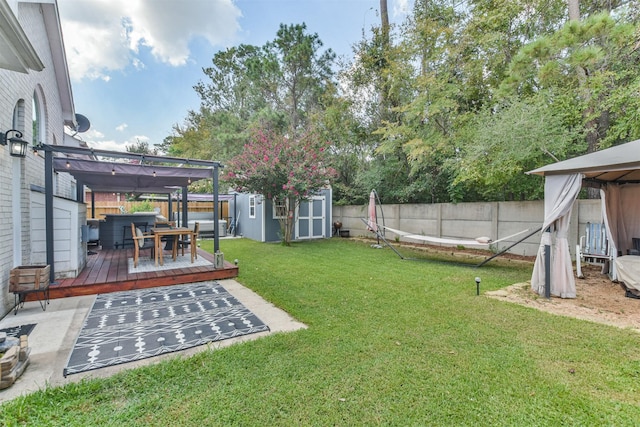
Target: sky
{"points": [[133, 63]]}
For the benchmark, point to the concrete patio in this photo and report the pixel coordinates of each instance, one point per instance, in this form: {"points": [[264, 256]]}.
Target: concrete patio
{"points": [[57, 328]]}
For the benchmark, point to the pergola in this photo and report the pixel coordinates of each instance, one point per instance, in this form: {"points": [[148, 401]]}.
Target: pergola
{"points": [[139, 175]]}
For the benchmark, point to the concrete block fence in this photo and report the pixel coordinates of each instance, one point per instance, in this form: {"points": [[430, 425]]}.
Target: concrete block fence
{"points": [[495, 220]]}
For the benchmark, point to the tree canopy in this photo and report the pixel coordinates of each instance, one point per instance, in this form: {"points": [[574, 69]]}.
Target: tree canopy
{"points": [[454, 104]]}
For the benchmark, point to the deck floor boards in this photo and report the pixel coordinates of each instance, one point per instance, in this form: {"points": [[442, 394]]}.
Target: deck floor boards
{"points": [[107, 271]]}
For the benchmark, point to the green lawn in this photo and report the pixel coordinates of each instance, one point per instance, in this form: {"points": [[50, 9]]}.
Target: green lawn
{"points": [[390, 342]]}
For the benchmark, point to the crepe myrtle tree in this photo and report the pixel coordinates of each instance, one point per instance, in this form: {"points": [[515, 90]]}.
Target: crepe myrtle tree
{"points": [[282, 169]]}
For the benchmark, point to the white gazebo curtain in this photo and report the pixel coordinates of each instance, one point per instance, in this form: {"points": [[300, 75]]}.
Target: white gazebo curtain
{"points": [[560, 192], [622, 222]]}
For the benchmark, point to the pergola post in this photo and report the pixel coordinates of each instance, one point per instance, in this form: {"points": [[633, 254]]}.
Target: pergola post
{"points": [[216, 226], [79, 192], [170, 208], [48, 209], [184, 207], [93, 204]]}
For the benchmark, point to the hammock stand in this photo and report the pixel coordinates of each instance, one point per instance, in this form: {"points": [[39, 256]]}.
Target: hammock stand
{"points": [[477, 242]]}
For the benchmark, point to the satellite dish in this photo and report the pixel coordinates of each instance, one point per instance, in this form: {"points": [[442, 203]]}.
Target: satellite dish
{"points": [[83, 123]]}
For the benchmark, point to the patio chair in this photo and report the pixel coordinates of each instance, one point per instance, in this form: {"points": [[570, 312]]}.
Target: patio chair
{"points": [[141, 241], [190, 239], [593, 248], [168, 246]]}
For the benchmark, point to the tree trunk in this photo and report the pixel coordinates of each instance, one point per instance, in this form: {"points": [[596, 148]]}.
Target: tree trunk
{"points": [[574, 10], [287, 221], [593, 134], [384, 18]]}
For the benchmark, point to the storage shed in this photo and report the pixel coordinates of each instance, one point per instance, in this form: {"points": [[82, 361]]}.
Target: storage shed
{"points": [[257, 219]]}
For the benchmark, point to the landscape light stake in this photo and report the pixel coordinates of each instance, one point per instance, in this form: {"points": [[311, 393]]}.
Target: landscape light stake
{"points": [[477, 285]]}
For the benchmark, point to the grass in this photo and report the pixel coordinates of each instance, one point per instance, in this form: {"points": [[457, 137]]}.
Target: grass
{"points": [[389, 342]]}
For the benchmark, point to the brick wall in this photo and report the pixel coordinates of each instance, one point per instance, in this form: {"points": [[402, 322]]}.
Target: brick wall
{"points": [[17, 176]]}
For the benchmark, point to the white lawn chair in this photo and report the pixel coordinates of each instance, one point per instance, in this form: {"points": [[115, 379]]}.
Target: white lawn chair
{"points": [[593, 247]]}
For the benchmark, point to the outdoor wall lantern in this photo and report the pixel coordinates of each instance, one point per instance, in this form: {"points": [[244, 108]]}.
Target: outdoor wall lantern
{"points": [[17, 146]]}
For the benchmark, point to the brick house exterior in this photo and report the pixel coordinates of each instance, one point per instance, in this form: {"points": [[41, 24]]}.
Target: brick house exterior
{"points": [[36, 101]]}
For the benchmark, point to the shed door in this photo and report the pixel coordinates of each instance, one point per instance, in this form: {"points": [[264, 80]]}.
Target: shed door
{"points": [[311, 223]]}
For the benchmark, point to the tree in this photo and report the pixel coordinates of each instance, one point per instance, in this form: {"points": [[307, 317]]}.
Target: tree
{"points": [[287, 75], [141, 147], [212, 135], [604, 51], [284, 170], [502, 143], [450, 62], [279, 86], [303, 72], [240, 82]]}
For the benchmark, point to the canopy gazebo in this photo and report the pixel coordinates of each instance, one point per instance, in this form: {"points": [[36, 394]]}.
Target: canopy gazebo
{"points": [[616, 172], [137, 176]]}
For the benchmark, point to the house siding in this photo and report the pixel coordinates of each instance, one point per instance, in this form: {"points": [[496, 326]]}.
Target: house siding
{"points": [[18, 176]]}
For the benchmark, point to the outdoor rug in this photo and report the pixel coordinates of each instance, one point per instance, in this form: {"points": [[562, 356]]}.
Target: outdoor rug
{"points": [[127, 326], [146, 265], [18, 331]]}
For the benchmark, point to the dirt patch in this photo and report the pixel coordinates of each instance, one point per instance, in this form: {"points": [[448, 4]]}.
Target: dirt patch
{"points": [[598, 299]]}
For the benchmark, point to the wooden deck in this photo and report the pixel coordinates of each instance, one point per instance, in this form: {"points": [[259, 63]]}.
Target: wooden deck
{"points": [[107, 271]]}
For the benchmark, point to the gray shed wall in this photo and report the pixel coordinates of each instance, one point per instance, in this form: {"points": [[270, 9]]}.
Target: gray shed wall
{"points": [[252, 228]]}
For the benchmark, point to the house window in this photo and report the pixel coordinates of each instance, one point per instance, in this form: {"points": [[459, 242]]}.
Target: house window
{"points": [[36, 120], [18, 116], [252, 206], [279, 209]]}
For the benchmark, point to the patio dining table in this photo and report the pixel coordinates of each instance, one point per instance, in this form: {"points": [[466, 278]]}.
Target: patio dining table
{"points": [[159, 232]]}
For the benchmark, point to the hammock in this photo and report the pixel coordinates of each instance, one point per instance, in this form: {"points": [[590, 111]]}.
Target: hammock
{"points": [[479, 241]]}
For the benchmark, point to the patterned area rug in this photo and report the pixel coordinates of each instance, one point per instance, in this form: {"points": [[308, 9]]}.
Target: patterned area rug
{"points": [[146, 265], [126, 326], [18, 331]]}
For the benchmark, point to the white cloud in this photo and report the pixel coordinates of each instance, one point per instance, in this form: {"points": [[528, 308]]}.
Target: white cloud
{"points": [[138, 138], [102, 36], [110, 145], [122, 127], [402, 7], [91, 134], [95, 139]]}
